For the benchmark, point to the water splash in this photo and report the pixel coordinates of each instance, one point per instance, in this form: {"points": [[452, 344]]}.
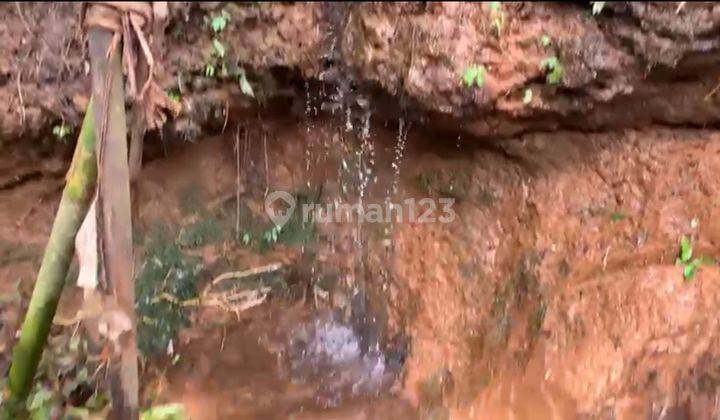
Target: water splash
{"points": [[331, 352]]}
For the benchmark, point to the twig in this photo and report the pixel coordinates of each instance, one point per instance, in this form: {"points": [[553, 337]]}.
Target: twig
{"points": [[247, 273], [20, 96], [237, 183], [267, 173], [712, 92], [605, 258], [227, 114], [222, 342], [22, 18]]}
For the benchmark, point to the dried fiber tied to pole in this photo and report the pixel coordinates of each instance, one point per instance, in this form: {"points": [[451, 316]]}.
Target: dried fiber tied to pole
{"points": [[136, 24]]}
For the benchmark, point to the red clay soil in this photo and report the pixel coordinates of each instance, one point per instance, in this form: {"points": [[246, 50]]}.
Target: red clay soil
{"points": [[554, 293], [632, 64]]}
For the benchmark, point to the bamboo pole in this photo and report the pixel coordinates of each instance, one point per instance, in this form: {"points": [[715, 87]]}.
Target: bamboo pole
{"points": [[59, 251], [114, 222]]}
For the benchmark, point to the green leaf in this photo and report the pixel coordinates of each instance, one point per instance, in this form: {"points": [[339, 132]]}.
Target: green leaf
{"points": [[616, 217], [470, 75], [164, 412], [174, 96], [689, 271], [685, 249], [495, 6], [556, 70], [41, 396], [209, 70], [545, 40], [528, 96], [245, 86], [218, 48], [480, 78], [60, 131], [219, 22]]}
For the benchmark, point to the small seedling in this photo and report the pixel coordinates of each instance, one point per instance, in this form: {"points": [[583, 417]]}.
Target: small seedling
{"points": [[497, 16], [244, 84], [617, 217], [597, 7], [60, 131], [685, 259], [218, 48], [527, 96], [474, 75], [271, 235], [209, 70], [545, 41], [555, 68], [219, 22], [174, 95]]}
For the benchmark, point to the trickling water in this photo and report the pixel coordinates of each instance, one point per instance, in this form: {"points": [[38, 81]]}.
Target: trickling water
{"points": [[365, 166], [399, 151]]}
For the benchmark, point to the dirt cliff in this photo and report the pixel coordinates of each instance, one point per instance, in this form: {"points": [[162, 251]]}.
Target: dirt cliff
{"points": [[545, 65]]}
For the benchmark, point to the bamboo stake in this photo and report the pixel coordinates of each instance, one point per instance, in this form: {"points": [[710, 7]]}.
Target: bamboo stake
{"points": [[114, 219], [75, 200]]}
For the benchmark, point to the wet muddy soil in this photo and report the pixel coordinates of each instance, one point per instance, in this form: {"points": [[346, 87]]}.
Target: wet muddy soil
{"points": [[554, 292]]}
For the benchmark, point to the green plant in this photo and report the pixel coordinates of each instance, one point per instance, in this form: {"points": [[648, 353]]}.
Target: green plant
{"points": [[218, 48], [244, 84], [217, 54], [597, 7], [164, 412], [497, 16], [527, 96], [174, 95], [555, 69], [219, 22], [209, 70], [617, 216], [167, 278], [685, 259], [271, 235], [246, 238], [60, 131], [474, 75], [545, 41]]}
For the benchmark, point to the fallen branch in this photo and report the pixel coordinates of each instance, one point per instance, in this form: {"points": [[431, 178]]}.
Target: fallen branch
{"points": [[246, 273]]}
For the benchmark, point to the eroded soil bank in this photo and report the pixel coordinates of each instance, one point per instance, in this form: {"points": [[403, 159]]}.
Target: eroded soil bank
{"points": [[554, 292], [546, 65]]}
